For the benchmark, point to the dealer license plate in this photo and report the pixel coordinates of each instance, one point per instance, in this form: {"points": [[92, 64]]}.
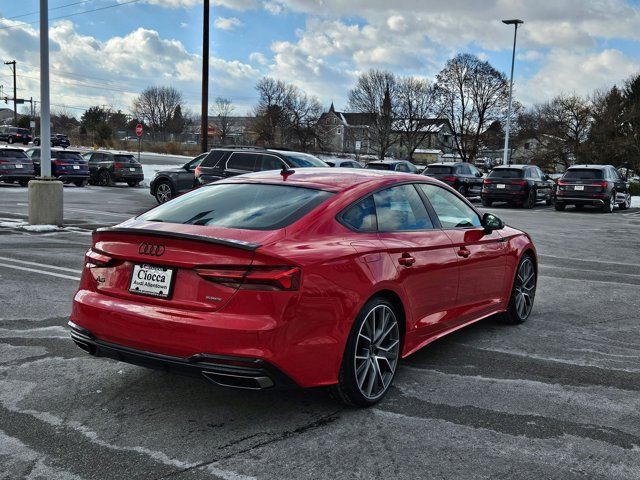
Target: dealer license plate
{"points": [[501, 185], [579, 187], [151, 280]]}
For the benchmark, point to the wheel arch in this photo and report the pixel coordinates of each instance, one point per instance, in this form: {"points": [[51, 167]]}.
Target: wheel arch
{"points": [[161, 179], [394, 299]]}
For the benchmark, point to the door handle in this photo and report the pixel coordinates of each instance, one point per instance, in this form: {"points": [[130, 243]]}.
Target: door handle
{"points": [[464, 252], [406, 260]]}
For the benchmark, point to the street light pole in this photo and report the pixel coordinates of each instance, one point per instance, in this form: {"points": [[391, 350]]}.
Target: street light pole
{"points": [[45, 126], [204, 111], [515, 22]]}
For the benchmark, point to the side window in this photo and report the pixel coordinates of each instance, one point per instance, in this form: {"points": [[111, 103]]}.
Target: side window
{"points": [[269, 162], [402, 167], [474, 170], [464, 169], [245, 162], [361, 216], [401, 209], [451, 210], [35, 154]]}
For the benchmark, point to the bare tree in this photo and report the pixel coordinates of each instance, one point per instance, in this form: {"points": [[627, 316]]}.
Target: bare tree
{"points": [[157, 106], [223, 110], [416, 107], [303, 112], [270, 121], [472, 95], [375, 93]]}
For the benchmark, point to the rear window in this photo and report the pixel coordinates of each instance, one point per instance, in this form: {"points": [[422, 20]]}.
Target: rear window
{"points": [[379, 166], [506, 173], [240, 205], [66, 155], [23, 131], [124, 158], [13, 154], [583, 174], [438, 170], [303, 160]]}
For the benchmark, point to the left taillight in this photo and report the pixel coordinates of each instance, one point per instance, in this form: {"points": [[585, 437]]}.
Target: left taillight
{"points": [[197, 171], [254, 278], [95, 259]]}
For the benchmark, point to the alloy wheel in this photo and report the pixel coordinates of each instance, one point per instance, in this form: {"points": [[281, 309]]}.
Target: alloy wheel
{"points": [[163, 193], [525, 288], [104, 179], [377, 351]]}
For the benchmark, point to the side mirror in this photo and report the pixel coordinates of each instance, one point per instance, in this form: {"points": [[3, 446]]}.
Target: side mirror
{"points": [[490, 222]]}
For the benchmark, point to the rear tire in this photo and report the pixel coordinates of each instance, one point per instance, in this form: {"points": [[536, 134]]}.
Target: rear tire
{"points": [[486, 202], [23, 183], [371, 355], [626, 204], [523, 292], [530, 202], [80, 183], [462, 190], [579, 207], [10, 141], [559, 207], [609, 206], [36, 143]]}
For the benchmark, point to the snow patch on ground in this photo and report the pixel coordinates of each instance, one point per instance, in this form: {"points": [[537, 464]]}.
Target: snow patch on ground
{"points": [[635, 202], [19, 225]]}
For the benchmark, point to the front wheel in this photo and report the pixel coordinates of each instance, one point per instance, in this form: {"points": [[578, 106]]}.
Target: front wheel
{"points": [[164, 192], [36, 142], [626, 204], [523, 292], [104, 178], [371, 355]]}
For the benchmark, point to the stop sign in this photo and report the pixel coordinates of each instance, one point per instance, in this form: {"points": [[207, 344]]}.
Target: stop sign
{"points": [[139, 130]]}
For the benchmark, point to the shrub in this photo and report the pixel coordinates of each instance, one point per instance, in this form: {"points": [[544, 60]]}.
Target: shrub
{"points": [[634, 188]]}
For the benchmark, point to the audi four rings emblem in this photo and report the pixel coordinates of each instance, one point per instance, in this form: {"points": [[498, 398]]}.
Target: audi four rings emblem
{"points": [[151, 249]]}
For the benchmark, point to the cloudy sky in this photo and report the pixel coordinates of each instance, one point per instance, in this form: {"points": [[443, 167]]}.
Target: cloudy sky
{"points": [[108, 55]]}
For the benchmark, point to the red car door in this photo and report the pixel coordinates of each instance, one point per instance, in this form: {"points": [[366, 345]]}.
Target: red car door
{"points": [[426, 263], [481, 255]]}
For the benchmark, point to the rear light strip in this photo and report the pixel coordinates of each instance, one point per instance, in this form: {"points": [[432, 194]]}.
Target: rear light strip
{"points": [[253, 278], [95, 259]]}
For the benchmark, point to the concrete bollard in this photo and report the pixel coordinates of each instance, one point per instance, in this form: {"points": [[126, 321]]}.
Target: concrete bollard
{"points": [[45, 202]]}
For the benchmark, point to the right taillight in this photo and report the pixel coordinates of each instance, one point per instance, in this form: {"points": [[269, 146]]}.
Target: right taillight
{"points": [[197, 171], [254, 278], [486, 182]]}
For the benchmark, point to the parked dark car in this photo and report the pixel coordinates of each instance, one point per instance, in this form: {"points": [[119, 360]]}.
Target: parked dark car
{"points": [[107, 168], [343, 163], [229, 162], [66, 165], [461, 176], [523, 185], [594, 185], [393, 166], [57, 140], [175, 181], [15, 166], [15, 135]]}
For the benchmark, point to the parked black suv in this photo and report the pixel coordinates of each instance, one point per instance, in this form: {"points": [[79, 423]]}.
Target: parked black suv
{"points": [[392, 165], [463, 177], [523, 185], [107, 168], [66, 165], [594, 185], [175, 181], [57, 140], [229, 162], [15, 166], [15, 135]]}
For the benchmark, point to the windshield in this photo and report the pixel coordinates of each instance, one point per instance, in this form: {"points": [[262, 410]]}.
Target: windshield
{"points": [[13, 154], [304, 160], [240, 205], [506, 173], [438, 170], [378, 166], [583, 174]]}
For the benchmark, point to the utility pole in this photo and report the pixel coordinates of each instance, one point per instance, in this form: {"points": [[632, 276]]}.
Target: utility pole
{"points": [[204, 111], [15, 95]]}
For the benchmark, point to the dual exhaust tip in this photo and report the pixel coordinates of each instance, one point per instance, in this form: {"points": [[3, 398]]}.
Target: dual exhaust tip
{"points": [[239, 381]]}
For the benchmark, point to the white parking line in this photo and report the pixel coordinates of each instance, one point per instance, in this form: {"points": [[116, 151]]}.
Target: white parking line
{"points": [[52, 267], [97, 212], [53, 274]]}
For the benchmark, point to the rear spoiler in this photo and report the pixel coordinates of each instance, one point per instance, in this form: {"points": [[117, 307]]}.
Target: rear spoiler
{"points": [[182, 236]]}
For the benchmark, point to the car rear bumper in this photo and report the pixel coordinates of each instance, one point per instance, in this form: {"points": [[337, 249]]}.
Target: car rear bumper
{"points": [[508, 196], [73, 177], [227, 371], [581, 200], [17, 177], [128, 177]]}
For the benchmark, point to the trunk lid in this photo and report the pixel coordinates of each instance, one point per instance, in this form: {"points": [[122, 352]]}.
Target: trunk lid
{"points": [[185, 250]]}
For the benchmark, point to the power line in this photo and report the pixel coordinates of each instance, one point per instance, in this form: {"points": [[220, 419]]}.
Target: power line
{"points": [[51, 9], [73, 14]]}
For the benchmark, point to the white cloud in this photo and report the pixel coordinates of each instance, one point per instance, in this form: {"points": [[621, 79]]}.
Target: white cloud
{"points": [[567, 72], [227, 23], [274, 8], [240, 5], [259, 58]]}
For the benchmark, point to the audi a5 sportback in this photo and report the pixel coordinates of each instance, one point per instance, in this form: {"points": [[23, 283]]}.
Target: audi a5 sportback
{"points": [[66, 165], [306, 278], [231, 161], [594, 185], [15, 166], [461, 176], [521, 185]]}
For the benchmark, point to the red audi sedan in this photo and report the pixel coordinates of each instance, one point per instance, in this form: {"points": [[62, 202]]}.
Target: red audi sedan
{"points": [[307, 278]]}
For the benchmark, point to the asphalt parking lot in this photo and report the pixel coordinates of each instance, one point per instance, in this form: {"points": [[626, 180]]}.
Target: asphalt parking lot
{"points": [[557, 397]]}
